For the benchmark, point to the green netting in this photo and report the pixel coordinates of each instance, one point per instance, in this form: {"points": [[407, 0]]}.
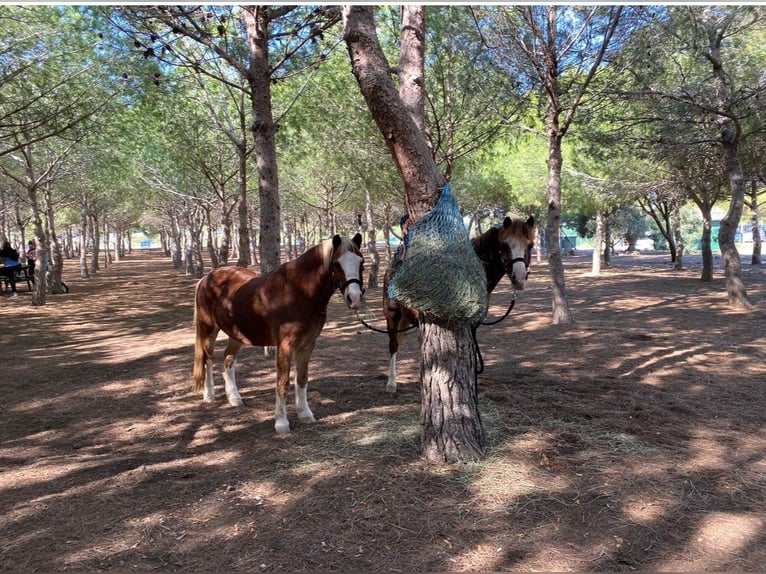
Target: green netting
{"points": [[440, 273]]}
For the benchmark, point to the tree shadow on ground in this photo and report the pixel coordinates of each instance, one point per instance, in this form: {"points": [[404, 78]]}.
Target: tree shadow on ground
{"points": [[632, 439]]}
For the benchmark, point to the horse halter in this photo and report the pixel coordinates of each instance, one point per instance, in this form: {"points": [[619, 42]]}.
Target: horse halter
{"points": [[342, 288], [524, 260]]}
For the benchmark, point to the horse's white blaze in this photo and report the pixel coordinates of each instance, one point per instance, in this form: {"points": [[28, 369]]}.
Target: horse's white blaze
{"points": [[208, 394], [519, 269], [351, 264], [302, 405], [391, 385], [230, 384]]}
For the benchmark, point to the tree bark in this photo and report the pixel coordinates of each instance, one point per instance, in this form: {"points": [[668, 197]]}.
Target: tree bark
{"points": [[599, 243], [756, 224], [450, 423], [729, 131], [559, 302], [372, 247], [264, 133], [411, 58], [705, 247], [677, 247], [451, 428], [554, 134]]}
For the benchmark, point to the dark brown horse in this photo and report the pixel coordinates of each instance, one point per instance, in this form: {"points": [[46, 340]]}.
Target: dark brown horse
{"points": [[286, 308], [503, 250]]}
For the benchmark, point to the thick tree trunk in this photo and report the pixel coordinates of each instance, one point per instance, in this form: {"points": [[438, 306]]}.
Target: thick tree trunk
{"points": [[242, 216], [411, 70], [756, 223], [559, 302], [451, 429], [372, 248], [51, 242], [95, 237], [729, 131], [735, 287], [83, 242], [264, 131], [450, 423], [599, 243], [706, 248], [677, 246], [421, 179]]}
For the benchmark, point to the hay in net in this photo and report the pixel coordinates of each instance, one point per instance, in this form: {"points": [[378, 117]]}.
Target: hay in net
{"points": [[440, 273]]}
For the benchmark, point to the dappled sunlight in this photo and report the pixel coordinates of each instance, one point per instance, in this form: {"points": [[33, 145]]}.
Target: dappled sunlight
{"points": [[646, 511], [709, 449], [632, 439], [719, 536]]}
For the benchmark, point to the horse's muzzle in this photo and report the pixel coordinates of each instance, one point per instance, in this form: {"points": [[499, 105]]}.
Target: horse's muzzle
{"points": [[517, 273], [355, 295]]}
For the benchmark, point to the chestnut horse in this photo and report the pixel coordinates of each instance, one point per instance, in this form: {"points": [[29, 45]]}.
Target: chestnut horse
{"points": [[285, 308], [502, 250]]}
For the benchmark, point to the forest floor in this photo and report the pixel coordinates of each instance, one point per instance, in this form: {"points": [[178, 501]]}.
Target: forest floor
{"points": [[633, 439]]}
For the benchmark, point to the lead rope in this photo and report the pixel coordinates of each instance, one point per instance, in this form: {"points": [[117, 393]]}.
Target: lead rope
{"points": [[371, 328], [479, 358], [507, 312]]}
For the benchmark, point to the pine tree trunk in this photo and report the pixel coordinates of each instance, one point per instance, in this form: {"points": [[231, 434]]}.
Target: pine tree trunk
{"points": [[729, 131], [599, 243], [264, 132], [756, 224], [677, 247], [372, 248], [451, 429], [559, 302]]}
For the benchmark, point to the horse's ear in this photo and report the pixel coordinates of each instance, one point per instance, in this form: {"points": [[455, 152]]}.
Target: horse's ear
{"points": [[357, 240], [336, 241], [507, 222], [531, 221]]}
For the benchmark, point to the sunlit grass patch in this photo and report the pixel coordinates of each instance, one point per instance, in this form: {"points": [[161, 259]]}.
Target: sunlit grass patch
{"points": [[380, 432]]}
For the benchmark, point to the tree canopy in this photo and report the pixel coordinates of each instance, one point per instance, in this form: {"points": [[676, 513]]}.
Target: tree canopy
{"points": [[158, 118]]}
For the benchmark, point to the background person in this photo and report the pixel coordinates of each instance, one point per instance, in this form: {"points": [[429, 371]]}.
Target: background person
{"points": [[31, 258], [11, 263]]}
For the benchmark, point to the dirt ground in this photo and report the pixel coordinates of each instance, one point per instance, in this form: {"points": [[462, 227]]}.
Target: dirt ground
{"points": [[633, 439]]}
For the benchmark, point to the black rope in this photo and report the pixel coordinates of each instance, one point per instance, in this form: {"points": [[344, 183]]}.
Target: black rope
{"points": [[479, 358], [507, 312], [479, 369], [371, 328]]}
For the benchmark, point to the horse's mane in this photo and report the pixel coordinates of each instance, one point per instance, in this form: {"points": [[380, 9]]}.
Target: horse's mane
{"points": [[521, 227], [327, 249], [480, 241]]}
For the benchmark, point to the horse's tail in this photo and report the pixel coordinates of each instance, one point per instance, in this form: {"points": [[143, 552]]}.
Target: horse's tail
{"points": [[200, 357]]}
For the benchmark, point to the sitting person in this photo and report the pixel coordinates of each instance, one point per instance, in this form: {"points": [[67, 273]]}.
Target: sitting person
{"points": [[11, 264]]}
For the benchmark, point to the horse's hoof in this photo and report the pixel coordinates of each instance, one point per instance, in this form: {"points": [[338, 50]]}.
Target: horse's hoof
{"points": [[307, 419], [208, 399], [282, 427], [236, 402], [391, 388]]}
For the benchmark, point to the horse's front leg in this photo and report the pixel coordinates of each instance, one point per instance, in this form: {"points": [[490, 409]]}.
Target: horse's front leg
{"points": [[281, 424], [301, 387], [230, 372]]}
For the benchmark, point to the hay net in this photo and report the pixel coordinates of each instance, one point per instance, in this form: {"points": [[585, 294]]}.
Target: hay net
{"points": [[437, 270]]}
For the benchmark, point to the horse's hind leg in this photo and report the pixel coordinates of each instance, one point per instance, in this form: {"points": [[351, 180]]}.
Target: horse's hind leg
{"points": [[393, 315], [395, 336], [301, 387], [230, 372]]}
